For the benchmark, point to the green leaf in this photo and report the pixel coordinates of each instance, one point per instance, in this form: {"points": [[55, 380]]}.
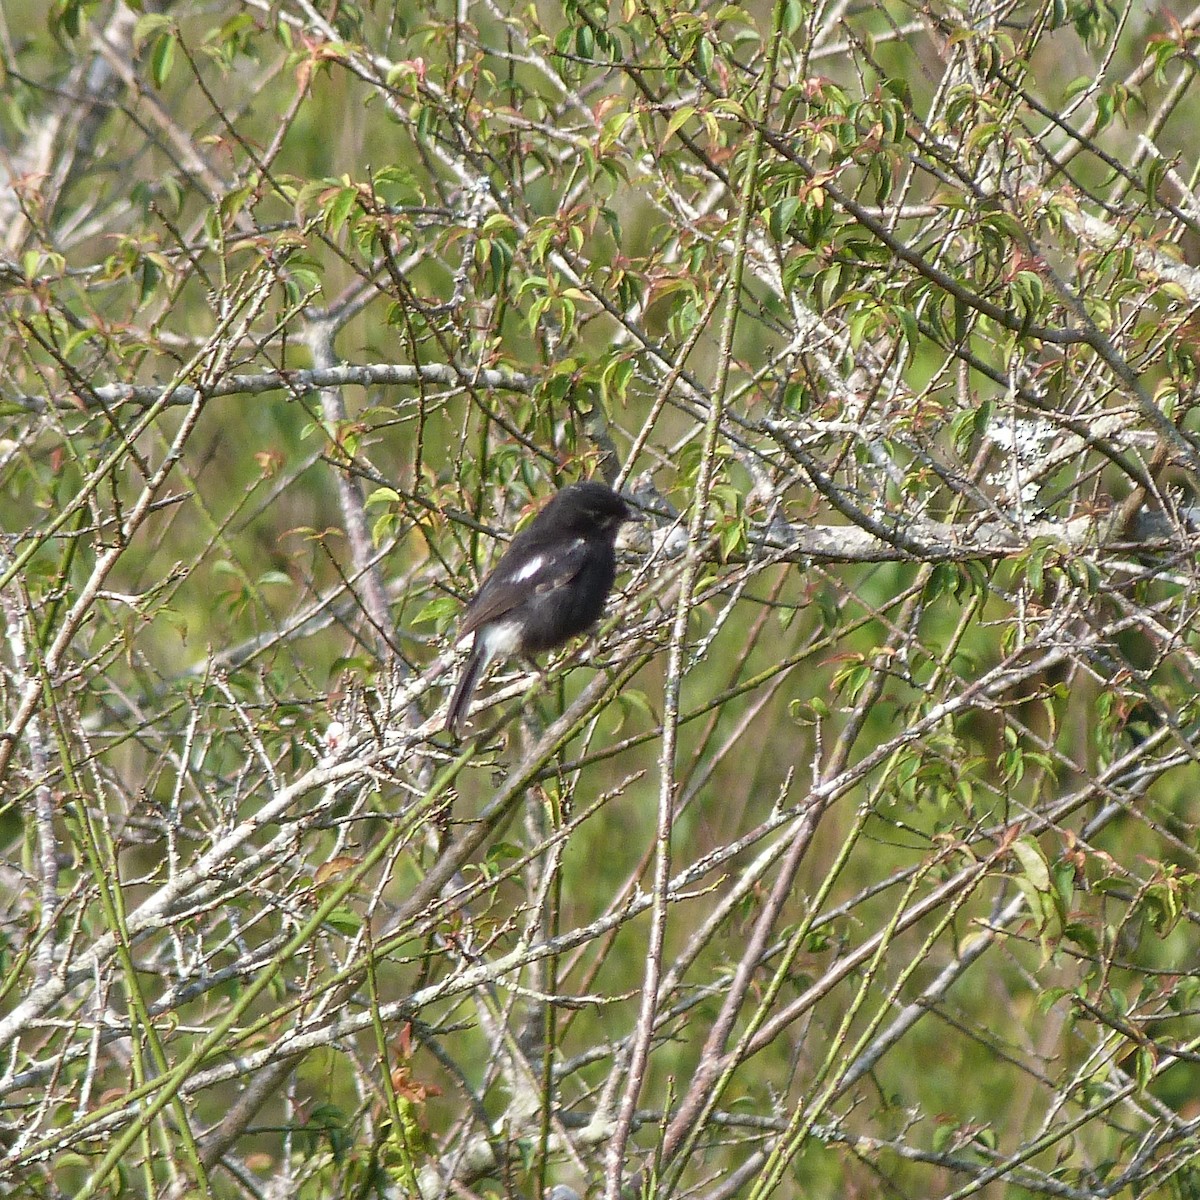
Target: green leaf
{"points": [[67, 17], [502, 852], [148, 26], [781, 215], [162, 57], [680, 118], [1145, 1061], [383, 495], [345, 920], [1033, 863], [337, 213], [438, 612]]}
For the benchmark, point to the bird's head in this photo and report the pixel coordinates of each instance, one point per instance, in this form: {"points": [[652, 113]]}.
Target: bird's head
{"points": [[591, 506]]}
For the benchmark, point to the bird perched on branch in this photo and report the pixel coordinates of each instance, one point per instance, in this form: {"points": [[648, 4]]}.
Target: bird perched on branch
{"points": [[550, 585]]}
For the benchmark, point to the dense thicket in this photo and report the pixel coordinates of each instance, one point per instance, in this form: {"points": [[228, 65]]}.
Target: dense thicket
{"points": [[855, 854]]}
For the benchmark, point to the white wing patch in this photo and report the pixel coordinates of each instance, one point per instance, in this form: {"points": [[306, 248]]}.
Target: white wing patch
{"points": [[558, 567], [529, 569]]}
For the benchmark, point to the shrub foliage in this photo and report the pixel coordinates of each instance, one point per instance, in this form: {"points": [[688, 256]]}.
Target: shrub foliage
{"points": [[855, 853]]}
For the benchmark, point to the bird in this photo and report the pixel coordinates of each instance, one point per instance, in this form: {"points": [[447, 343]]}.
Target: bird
{"points": [[550, 585]]}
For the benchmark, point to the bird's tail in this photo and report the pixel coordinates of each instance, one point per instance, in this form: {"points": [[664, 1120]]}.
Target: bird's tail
{"points": [[468, 681]]}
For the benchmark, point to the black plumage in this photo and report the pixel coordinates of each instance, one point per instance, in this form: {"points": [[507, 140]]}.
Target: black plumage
{"points": [[550, 585]]}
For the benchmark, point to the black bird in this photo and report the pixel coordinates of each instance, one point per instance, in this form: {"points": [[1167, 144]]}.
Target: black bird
{"points": [[550, 585]]}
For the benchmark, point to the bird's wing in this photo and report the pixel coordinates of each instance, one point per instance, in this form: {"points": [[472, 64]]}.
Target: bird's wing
{"points": [[516, 577]]}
